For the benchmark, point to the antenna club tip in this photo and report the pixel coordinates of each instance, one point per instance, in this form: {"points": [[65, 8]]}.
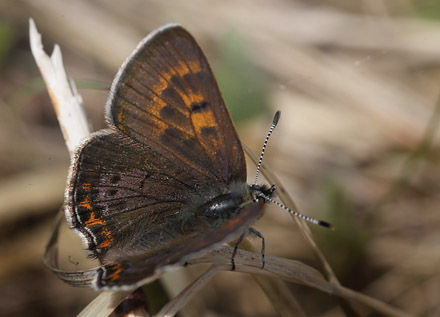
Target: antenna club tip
{"points": [[276, 117], [326, 224]]}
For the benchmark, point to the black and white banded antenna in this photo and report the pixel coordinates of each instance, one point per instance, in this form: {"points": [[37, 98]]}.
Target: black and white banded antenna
{"points": [[272, 127], [297, 214], [266, 198]]}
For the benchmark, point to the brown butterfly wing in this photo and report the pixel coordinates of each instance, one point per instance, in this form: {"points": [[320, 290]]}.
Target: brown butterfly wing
{"points": [[132, 272], [166, 97], [119, 190]]}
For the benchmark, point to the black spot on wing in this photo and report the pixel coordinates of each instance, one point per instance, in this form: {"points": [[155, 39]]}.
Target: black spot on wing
{"points": [[176, 81], [175, 139], [168, 113], [115, 179], [197, 107], [172, 133], [198, 81]]}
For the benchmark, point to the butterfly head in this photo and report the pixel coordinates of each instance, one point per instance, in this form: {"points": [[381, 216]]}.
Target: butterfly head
{"points": [[262, 193]]}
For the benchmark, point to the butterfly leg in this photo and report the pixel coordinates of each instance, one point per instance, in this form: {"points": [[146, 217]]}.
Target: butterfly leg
{"points": [[234, 252], [263, 244]]}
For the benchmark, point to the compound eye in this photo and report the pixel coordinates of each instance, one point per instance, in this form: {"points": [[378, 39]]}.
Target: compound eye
{"points": [[261, 201]]}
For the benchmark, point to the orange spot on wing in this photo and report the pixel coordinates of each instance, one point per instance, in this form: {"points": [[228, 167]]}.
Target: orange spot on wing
{"points": [[184, 68], [158, 125], [160, 85], [94, 221], [205, 120], [120, 116], [194, 66], [191, 98], [158, 103], [117, 271], [86, 203], [106, 243], [106, 232]]}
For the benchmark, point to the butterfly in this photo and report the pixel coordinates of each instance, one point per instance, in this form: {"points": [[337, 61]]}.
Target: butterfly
{"points": [[166, 181]]}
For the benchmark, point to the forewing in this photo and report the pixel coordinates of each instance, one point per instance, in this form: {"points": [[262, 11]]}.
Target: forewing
{"points": [[118, 189], [165, 96], [132, 272]]}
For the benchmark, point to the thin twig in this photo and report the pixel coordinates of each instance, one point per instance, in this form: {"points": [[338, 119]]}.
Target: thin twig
{"points": [[296, 272], [104, 304]]}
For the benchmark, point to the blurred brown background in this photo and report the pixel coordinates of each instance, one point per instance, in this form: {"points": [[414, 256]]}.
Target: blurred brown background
{"points": [[357, 145]]}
